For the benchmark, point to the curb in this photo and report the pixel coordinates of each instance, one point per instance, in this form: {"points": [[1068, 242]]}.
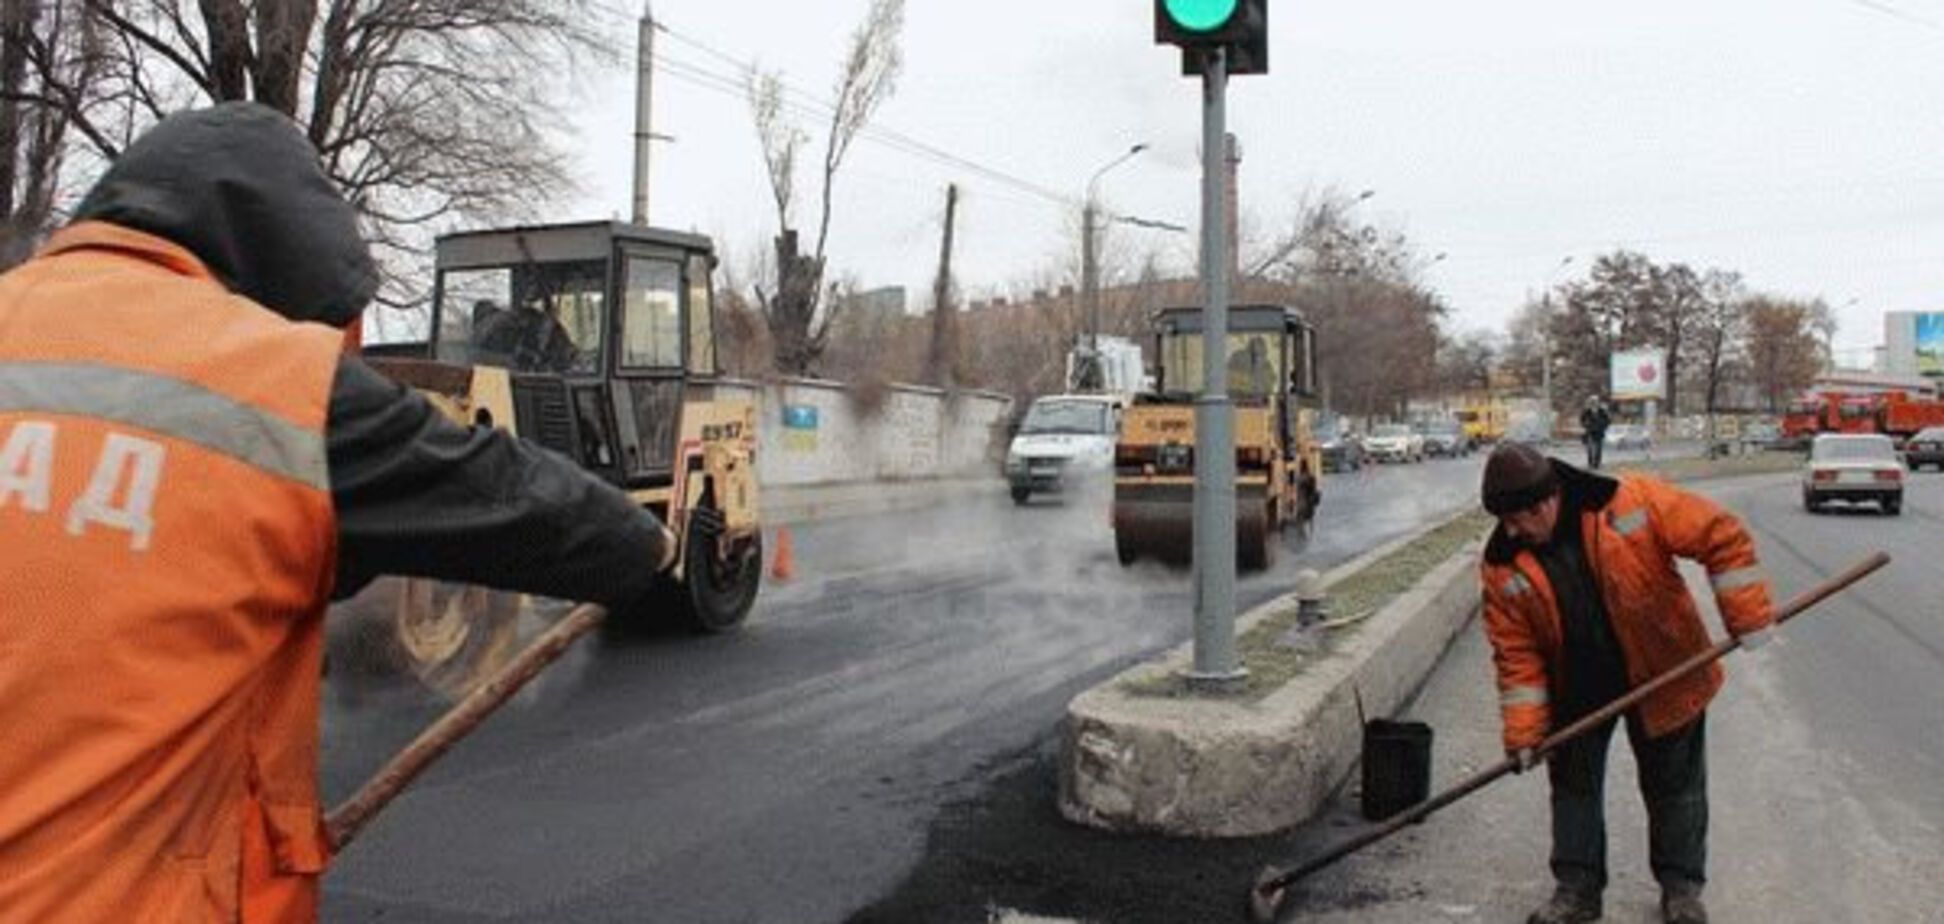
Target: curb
{"points": [[1204, 767]]}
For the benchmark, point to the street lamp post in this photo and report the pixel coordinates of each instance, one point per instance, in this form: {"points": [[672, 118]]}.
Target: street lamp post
{"points": [[1089, 265], [1545, 365]]}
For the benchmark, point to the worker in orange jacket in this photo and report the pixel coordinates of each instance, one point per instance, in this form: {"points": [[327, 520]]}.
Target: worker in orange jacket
{"points": [[190, 470], [1583, 602]]}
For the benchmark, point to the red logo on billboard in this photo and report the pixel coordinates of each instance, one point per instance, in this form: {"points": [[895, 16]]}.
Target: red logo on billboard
{"points": [[1648, 372]]}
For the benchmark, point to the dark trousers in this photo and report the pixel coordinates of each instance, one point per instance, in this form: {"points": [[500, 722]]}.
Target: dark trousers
{"points": [[1674, 784], [1594, 446]]}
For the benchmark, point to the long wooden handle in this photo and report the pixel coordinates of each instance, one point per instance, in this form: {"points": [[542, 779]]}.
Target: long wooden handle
{"points": [[344, 822], [1277, 880]]}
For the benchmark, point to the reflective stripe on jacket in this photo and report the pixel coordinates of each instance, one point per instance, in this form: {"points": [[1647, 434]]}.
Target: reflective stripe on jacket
{"points": [[166, 515], [1634, 529]]}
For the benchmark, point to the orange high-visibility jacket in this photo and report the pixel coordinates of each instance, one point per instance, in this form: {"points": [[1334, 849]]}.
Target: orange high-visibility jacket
{"points": [[1634, 528], [168, 538]]}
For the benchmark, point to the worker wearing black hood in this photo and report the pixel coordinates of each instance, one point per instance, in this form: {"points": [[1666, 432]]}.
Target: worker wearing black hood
{"points": [[186, 480]]}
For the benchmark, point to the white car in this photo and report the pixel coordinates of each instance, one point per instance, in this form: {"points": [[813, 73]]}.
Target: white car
{"points": [[1394, 443], [1063, 438], [1628, 436], [1853, 468]]}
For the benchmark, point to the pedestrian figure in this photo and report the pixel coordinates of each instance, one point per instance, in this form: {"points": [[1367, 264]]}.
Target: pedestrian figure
{"points": [[1594, 421], [189, 472], [1582, 603]]}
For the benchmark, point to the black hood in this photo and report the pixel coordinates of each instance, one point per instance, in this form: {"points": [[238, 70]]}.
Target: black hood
{"points": [[1579, 489], [241, 187]]}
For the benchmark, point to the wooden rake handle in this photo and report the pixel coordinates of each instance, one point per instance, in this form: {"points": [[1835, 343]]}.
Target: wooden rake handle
{"points": [[349, 817]]}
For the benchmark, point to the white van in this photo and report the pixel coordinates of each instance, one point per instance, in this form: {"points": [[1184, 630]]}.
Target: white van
{"points": [[1063, 439]]}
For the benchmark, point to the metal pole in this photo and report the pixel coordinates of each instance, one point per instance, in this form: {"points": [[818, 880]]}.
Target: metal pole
{"points": [[644, 111], [1090, 277], [1216, 663]]}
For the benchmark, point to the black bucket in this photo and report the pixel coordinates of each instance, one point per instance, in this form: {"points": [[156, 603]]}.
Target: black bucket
{"points": [[1396, 767]]}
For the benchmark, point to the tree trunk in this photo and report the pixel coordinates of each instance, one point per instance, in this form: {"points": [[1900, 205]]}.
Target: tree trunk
{"points": [[228, 24], [283, 29]]}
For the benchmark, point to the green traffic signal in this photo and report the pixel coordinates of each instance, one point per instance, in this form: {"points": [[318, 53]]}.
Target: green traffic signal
{"points": [[1200, 15]]}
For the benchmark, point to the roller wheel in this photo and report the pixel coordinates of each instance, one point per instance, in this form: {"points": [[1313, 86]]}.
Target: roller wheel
{"points": [[720, 576], [1123, 552], [1893, 507], [1021, 495], [453, 636]]}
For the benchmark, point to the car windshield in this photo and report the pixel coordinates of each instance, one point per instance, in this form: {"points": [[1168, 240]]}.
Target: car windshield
{"points": [[1866, 450], [1439, 429], [1089, 417], [1930, 435], [1390, 430]]}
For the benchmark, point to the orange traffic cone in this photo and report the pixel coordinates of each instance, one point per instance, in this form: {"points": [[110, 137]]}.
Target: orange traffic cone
{"points": [[783, 566]]}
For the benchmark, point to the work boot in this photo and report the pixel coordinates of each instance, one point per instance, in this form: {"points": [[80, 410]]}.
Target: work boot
{"points": [[1568, 906], [1681, 904]]}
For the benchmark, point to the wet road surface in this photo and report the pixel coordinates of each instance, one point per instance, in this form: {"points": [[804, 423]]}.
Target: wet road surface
{"points": [[797, 771]]}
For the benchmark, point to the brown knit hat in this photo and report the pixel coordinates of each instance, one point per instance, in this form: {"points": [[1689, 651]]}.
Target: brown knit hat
{"points": [[1517, 476]]}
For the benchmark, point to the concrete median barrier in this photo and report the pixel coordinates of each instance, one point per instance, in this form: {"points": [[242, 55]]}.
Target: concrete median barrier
{"points": [[1233, 766]]}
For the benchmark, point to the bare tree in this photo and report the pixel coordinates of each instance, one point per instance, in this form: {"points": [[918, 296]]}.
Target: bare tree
{"points": [[426, 112], [1465, 362], [1784, 352], [792, 303], [1718, 328], [1523, 359], [45, 49]]}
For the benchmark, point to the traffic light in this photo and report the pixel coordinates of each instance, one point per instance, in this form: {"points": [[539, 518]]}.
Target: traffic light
{"points": [[1195, 26]]}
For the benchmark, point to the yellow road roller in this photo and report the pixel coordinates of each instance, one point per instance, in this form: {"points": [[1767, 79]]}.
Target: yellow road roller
{"points": [[595, 340], [1271, 358]]}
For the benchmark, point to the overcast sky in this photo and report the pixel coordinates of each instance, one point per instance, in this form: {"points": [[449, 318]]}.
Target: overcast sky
{"points": [[1797, 141]]}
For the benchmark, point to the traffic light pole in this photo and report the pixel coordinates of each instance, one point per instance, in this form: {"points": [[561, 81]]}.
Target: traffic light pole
{"points": [[1216, 663]]}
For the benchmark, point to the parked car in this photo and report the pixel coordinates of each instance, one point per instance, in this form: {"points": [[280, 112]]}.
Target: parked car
{"points": [[1444, 438], [1628, 436], [1342, 450], [1926, 447], [1761, 436], [1394, 443], [1853, 468]]}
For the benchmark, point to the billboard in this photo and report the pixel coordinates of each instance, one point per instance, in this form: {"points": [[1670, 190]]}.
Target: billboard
{"points": [[1639, 374], [1929, 341]]}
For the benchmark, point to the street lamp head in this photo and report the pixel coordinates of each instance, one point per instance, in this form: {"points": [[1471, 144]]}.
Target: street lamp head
{"points": [[1136, 149], [1366, 194]]}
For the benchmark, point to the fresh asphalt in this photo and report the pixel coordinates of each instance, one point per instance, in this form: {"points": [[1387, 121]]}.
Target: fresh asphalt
{"points": [[795, 771]]}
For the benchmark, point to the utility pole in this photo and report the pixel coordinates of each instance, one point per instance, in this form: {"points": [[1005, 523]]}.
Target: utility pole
{"points": [[1090, 279], [644, 134], [944, 350]]}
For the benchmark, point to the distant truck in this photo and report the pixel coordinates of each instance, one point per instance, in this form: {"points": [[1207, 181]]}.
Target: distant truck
{"points": [[1484, 421], [1063, 439], [1106, 365]]}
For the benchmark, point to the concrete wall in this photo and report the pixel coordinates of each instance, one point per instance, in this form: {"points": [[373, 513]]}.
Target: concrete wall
{"points": [[815, 432]]}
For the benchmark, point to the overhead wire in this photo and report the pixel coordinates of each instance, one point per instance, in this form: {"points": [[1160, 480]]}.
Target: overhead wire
{"points": [[807, 104], [1898, 13]]}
